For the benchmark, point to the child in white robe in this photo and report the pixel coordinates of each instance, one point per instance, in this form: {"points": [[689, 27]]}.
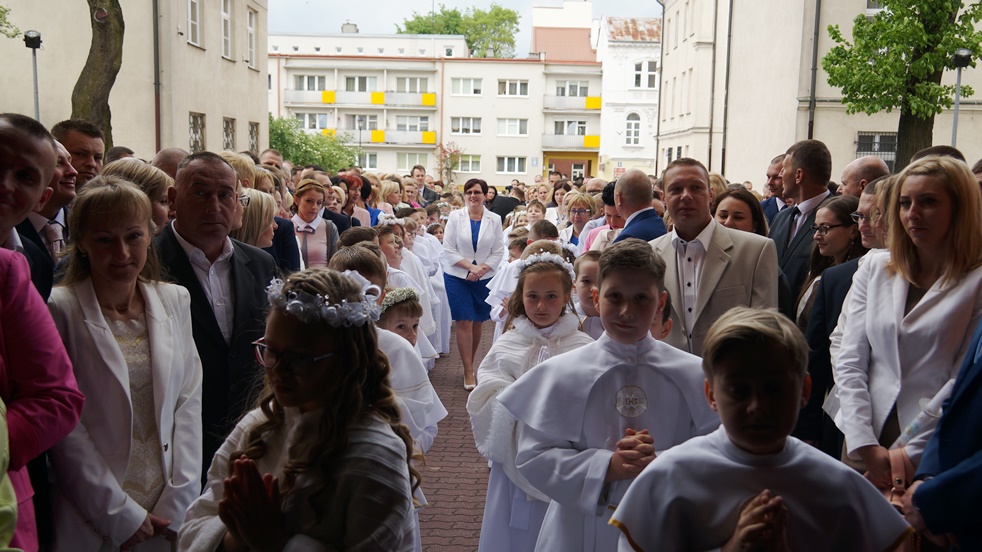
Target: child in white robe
{"points": [[503, 283], [401, 312], [748, 485], [591, 419], [324, 460], [586, 266], [543, 326]]}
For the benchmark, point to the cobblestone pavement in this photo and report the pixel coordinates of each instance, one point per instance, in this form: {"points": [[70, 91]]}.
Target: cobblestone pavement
{"points": [[455, 478]]}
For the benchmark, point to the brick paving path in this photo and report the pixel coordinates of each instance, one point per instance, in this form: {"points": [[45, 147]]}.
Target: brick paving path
{"points": [[455, 478]]}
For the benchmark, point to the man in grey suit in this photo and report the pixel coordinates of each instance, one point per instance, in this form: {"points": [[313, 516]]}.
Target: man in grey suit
{"points": [[709, 268], [806, 172]]}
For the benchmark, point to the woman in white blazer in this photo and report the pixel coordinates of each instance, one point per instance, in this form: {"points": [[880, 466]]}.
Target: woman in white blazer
{"points": [[473, 247], [126, 475], [910, 312]]}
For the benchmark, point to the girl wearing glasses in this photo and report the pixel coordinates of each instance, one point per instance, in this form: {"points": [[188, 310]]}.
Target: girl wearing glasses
{"points": [[836, 240], [323, 462], [910, 314], [130, 469]]}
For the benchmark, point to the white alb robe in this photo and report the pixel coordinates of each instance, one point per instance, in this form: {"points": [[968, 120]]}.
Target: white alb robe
{"points": [[514, 509], [500, 288], [572, 409], [689, 499]]}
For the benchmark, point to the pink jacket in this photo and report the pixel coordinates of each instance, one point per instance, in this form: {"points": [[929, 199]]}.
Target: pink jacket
{"points": [[36, 382]]}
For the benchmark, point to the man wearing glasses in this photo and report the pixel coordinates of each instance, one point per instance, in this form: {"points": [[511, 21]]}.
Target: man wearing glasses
{"points": [[227, 281]]}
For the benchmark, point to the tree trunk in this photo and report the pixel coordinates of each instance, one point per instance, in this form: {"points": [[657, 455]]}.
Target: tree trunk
{"points": [[913, 135], [90, 98]]}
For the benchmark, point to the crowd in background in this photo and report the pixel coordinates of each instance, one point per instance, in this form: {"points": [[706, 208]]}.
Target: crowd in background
{"points": [[235, 350]]}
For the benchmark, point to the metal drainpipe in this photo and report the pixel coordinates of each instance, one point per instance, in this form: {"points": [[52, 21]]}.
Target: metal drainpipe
{"points": [[811, 93], [661, 72], [156, 75], [712, 85], [726, 85]]}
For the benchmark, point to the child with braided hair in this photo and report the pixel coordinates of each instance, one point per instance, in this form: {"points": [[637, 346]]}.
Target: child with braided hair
{"points": [[323, 462]]}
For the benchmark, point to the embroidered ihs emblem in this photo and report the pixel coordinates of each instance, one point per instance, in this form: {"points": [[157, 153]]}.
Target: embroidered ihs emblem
{"points": [[631, 401]]}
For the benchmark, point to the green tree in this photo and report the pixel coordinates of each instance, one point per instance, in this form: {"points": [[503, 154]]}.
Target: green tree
{"points": [[287, 135], [896, 59], [489, 33], [7, 28]]}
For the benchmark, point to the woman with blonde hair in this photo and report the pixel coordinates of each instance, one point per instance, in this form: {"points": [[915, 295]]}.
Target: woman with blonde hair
{"points": [[130, 469], [580, 209], [910, 313], [153, 181], [390, 196], [258, 220], [317, 237]]}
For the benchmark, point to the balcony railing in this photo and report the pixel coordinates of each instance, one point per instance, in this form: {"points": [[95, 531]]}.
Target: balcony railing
{"points": [[570, 142], [571, 103], [379, 137], [342, 97]]}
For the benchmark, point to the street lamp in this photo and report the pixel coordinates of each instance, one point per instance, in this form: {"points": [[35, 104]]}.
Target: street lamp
{"points": [[963, 57], [32, 39]]}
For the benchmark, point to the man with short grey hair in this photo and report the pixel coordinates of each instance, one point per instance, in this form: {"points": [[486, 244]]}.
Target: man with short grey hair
{"points": [[632, 197], [227, 281]]}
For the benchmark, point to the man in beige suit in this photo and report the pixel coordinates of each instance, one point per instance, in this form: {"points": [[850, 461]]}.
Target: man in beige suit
{"points": [[709, 268]]}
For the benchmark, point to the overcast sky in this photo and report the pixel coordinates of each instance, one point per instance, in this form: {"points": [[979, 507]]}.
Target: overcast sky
{"points": [[382, 16]]}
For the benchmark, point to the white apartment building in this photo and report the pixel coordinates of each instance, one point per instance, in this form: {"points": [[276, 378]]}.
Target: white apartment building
{"points": [[629, 50], [210, 64], [737, 88], [399, 96]]}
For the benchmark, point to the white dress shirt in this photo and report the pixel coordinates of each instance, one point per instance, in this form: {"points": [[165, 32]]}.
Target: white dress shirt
{"points": [[216, 281], [805, 208], [691, 258]]}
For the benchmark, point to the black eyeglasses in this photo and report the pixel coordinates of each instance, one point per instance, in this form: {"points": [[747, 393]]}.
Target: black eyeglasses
{"points": [[297, 364], [823, 229]]}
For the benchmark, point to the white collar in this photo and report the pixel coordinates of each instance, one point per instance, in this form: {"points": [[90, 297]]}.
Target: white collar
{"points": [[809, 205], [13, 242], [705, 236], [301, 223], [196, 255], [636, 213]]}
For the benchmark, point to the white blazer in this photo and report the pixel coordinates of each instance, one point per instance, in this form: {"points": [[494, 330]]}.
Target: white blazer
{"points": [[457, 242], [90, 464], [888, 358]]}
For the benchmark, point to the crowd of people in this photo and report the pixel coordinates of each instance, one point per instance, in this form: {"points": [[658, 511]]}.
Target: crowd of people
{"points": [[235, 352]]}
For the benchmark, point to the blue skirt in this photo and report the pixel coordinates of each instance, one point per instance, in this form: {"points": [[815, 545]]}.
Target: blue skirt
{"points": [[467, 299]]}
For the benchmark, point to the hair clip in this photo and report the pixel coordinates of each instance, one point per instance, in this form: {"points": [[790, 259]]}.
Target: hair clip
{"points": [[317, 308]]}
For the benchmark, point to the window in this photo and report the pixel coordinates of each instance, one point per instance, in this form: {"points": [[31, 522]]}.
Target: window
{"points": [[228, 134], [253, 136], [675, 37], [412, 123], [411, 84], [513, 88], [312, 121], [465, 125], [251, 38], [685, 93], [469, 163], [360, 84], [227, 29], [309, 82], [406, 161], [678, 152], [194, 22], [465, 87], [448, 51], [645, 74], [578, 169], [513, 165], [668, 154], [368, 160], [513, 127], [573, 88], [880, 144], [196, 127], [361, 49], [363, 122], [633, 133], [570, 128]]}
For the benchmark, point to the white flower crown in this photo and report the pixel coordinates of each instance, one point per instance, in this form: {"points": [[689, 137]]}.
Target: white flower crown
{"points": [[399, 295], [546, 257], [569, 247], [317, 308], [433, 225], [389, 220]]}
